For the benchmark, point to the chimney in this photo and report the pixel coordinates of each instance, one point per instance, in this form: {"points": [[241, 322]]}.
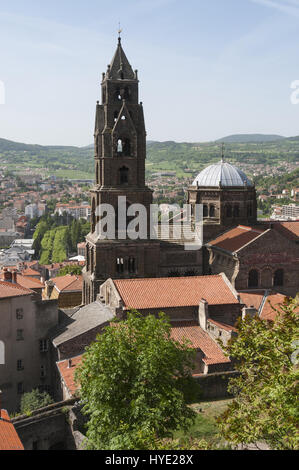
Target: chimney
{"points": [[70, 364], [14, 276], [49, 286], [7, 275], [251, 311], [203, 314]]}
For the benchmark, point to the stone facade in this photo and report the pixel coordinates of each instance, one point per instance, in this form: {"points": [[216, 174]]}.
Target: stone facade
{"points": [[24, 327], [224, 207], [268, 262], [120, 153]]}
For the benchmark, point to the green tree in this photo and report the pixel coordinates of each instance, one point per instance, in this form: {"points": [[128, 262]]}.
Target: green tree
{"points": [[71, 269], [132, 383], [34, 400], [266, 405]]}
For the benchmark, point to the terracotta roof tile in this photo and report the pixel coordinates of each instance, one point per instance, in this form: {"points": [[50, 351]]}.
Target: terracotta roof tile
{"points": [[27, 282], [199, 339], [288, 229], [255, 299], [9, 439], [236, 238], [68, 373], [8, 289], [275, 300], [160, 293], [68, 283]]}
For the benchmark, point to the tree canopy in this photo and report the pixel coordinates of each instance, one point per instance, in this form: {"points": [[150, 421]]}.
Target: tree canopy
{"points": [[34, 400], [266, 405], [133, 381]]}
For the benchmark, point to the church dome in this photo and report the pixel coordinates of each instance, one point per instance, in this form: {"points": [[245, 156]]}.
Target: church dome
{"points": [[222, 174]]}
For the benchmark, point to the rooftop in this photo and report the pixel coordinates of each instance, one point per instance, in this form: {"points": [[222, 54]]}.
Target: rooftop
{"points": [[263, 300], [83, 320], [8, 289], [68, 373], [236, 238], [9, 439], [175, 291], [222, 174], [190, 330], [68, 283]]}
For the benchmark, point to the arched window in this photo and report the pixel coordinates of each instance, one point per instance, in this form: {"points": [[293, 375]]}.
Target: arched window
{"points": [[205, 211], [118, 96], [123, 175], [119, 265], [212, 211], [253, 278], [228, 211], [236, 211], [132, 265], [278, 277], [120, 147]]}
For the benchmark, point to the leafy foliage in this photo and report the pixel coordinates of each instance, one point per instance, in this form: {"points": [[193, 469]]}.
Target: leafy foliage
{"points": [[71, 269], [34, 400], [266, 404], [132, 383]]}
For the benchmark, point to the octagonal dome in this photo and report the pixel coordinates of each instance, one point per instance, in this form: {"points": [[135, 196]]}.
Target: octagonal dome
{"points": [[221, 174]]}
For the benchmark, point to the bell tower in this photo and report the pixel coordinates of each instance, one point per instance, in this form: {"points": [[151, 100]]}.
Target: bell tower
{"points": [[120, 153]]}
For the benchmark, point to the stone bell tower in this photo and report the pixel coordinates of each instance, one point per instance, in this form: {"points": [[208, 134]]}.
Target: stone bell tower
{"points": [[120, 153]]}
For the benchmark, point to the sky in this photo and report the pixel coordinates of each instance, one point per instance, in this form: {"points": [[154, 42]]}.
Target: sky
{"points": [[207, 68]]}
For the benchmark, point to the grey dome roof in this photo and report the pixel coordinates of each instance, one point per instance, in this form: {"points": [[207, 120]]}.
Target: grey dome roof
{"points": [[221, 174]]}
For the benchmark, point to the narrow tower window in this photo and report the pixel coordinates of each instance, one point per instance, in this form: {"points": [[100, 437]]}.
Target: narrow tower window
{"points": [[123, 175]]}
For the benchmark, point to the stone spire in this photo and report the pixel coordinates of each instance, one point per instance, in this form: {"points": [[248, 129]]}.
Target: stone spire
{"points": [[120, 68]]}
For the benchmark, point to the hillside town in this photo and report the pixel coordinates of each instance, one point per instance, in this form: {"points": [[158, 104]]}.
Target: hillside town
{"points": [[65, 287]]}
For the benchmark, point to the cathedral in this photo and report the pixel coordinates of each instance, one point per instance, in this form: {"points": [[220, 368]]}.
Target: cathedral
{"points": [[227, 196]]}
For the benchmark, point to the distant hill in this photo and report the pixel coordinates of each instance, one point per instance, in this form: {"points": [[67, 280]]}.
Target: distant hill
{"points": [[9, 145], [247, 138]]}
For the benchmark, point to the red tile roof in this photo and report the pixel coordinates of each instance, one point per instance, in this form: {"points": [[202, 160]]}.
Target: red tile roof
{"points": [[68, 283], [174, 292], [67, 373], [27, 282], [273, 300], [236, 238], [9, 439], [255, 299], [288, 229], [30, 272], [252, 298], [8, 289], [199, 339]]}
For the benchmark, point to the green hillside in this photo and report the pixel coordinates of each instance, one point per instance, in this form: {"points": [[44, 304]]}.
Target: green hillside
{"points": [[182, 158]]}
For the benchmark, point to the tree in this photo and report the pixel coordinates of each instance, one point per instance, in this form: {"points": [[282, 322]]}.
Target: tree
{"points": [[266, 405], [133, 382], [71, 269], [34, 400]]}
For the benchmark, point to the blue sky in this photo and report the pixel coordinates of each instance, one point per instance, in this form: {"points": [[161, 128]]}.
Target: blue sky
{"points": [[207, 68]]}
